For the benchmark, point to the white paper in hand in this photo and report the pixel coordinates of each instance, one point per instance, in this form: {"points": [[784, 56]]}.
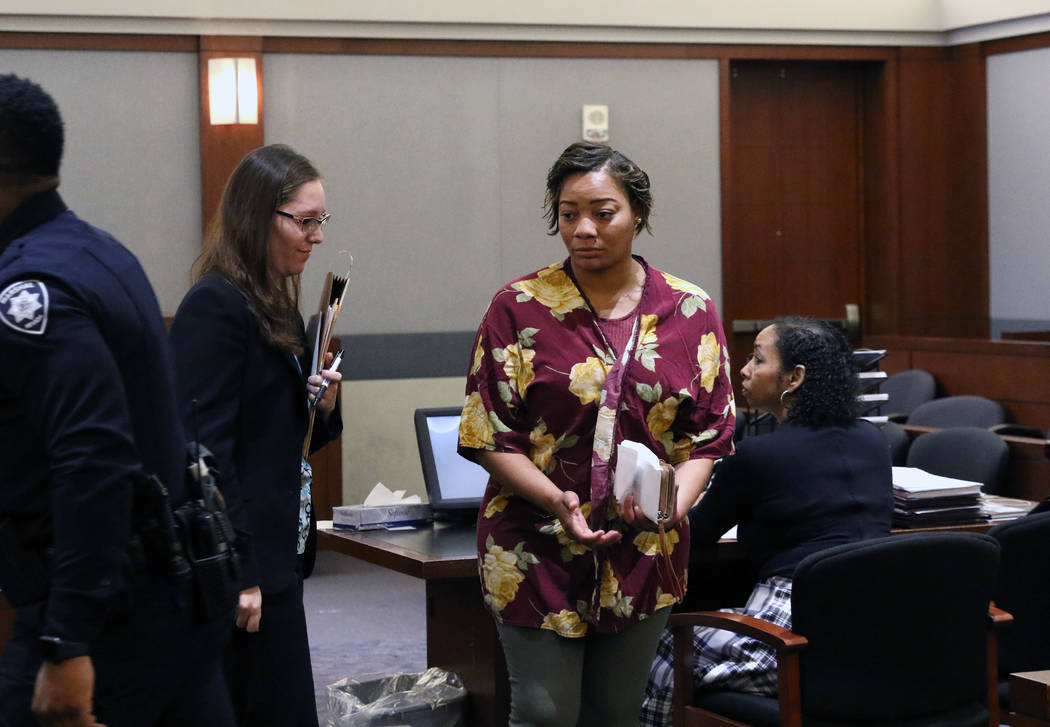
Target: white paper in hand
{"points": [[638, 473]]}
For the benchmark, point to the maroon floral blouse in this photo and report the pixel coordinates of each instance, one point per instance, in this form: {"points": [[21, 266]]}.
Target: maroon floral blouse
{"points": [[544, 383]]}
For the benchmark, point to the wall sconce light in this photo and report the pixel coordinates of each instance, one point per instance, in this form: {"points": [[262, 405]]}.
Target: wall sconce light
{"points": [[233, 96]]}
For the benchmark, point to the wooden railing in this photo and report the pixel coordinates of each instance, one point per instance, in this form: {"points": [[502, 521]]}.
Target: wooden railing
{"points": [[1014, 373]]}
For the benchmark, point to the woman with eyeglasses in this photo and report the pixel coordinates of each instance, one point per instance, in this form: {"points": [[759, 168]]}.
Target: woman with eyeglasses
{"points": [[241, 358], [821, 478]]}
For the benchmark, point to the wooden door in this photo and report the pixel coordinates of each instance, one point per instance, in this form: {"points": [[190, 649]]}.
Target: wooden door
{"points": [[792, 237]]}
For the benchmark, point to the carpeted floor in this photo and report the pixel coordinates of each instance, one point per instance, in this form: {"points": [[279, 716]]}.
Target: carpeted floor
{"points": [[362, 619]]}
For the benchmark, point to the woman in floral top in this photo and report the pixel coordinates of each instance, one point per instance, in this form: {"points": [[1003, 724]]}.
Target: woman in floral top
{"points": [[569, 361]]}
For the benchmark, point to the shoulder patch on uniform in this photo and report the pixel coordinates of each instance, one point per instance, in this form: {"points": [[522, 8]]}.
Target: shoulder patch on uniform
{"points": [[23, 306]]}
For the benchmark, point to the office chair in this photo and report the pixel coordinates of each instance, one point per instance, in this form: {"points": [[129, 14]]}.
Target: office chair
{"points": [[751, 423], [958, 411], [1023, 589], [1009, 429], [907, 389], [898, 442], [892, 631], [741, 426], [966, 453]]}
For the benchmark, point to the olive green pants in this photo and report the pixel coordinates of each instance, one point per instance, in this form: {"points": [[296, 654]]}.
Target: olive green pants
{"points": [[595, 680]]}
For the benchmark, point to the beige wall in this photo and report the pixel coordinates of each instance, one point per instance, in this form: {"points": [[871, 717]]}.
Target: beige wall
{"points": [[910, 15], [132, 161], [884, 22], [435, 170], [379, 439]]}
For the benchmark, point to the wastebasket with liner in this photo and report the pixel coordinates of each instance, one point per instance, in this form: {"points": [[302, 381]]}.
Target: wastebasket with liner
{"points": [[433, 698]]}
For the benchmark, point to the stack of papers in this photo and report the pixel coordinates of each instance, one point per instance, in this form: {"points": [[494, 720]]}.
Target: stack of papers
{"points": [[1000, 509], [922, 499]]}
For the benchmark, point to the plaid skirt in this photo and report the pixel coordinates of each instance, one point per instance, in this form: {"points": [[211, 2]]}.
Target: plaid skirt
{"points": [[724, 660]]}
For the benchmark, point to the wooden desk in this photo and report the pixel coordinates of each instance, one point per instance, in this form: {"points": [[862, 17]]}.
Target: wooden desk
{"points": [[461, 635]]}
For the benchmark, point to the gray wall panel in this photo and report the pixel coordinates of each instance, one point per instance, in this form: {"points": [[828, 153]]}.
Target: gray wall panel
{"points": [[407, 148], [1018, 184], [132, 159], [663, 114], [435, 170], [370, 356]]}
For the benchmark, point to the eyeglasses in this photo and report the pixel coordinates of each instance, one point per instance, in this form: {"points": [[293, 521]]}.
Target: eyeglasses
{"points": [[308, 225]]}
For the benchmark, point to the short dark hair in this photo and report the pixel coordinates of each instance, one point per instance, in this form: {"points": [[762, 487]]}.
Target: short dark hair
{"points": [[31, 132], [584, 157], [828, 394]]}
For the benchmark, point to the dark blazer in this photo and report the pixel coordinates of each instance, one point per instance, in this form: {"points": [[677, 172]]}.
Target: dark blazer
{"points": [[252, 413], [799, 490]]}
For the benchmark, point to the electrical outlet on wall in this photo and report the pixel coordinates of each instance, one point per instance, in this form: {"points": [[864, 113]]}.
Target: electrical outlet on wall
{"points": [[595, 122]]}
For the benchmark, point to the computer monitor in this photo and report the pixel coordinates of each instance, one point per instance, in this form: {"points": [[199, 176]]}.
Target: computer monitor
{"points": [[454, 485]]}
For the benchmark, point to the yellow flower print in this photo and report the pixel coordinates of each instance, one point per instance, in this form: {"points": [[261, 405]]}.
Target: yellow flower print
{"points": [[680, 450], [479, 353], [543, 444], [647, 344], [661, 416], [475, 429], [663, 600], [569, 546], [497, 504], [684, 286], [610, 595], [694, 299], [647, 336], [648, 543], [554, 289], [502, 576], [587, 379], [565, 623], [517, 365], [707, 355], [610, 592]]}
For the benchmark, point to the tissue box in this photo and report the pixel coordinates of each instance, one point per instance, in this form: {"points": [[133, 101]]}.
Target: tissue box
{"points": [[374, 517]]}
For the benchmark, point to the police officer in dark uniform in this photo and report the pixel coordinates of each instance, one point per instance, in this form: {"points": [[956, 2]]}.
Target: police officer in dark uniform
{"points": [[87, 414]]}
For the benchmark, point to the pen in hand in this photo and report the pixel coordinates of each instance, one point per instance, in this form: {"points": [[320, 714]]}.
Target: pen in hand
{"points": [[324, 384]]}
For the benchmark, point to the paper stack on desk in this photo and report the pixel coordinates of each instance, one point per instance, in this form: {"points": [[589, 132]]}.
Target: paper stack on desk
{"points": [[382, 508], [922, 499], [1001, 509]]}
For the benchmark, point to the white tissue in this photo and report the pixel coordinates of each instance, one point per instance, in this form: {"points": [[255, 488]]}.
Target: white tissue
{"points": [[381, 495]]}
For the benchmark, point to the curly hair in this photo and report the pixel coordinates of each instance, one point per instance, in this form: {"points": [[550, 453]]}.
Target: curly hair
{"points": [[31, 131], [828, 394], [583, 157]]}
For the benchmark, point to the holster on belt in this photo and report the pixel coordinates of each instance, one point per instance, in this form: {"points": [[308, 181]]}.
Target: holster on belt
{"points": [[208, 538]]}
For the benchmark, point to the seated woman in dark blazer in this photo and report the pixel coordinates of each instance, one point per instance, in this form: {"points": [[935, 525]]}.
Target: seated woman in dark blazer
{"points": [[240, 354], [822, 478]]}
